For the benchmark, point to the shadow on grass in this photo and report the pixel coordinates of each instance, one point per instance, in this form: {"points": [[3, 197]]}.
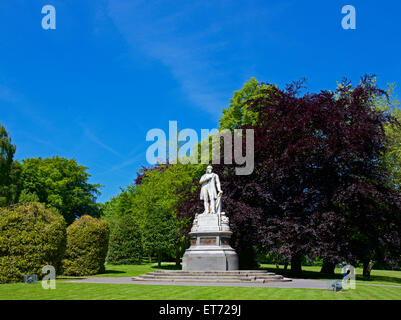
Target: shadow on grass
{"points": [[305, 274], [379, 278], [168, 267], [325, 276], [113, 271]]}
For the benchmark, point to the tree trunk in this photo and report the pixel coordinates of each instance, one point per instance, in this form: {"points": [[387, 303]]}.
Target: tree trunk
{"points": [[159, 259], [296, 265], [247, 258], [367, 268], [276, 262], [149, 256], [177, 256], [328, 267], [286, 266]]}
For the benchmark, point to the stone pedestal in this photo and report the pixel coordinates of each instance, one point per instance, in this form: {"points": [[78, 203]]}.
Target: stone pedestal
{"points": [[210, 249]]}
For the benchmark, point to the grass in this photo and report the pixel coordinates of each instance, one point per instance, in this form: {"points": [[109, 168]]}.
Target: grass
{"points": [[388, 277], [130, 270], [88, 291]]}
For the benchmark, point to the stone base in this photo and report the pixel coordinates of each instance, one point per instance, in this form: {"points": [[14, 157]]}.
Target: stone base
{"points": [[210, 251]]}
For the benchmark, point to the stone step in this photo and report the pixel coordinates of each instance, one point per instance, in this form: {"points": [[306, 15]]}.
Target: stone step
{"points": [[254, 276], [219, 280], [211, 274], [233, 272], [150, 277], [234, 276]]}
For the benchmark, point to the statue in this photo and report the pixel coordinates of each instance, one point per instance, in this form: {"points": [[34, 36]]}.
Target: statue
{"points": [[211, 192]]}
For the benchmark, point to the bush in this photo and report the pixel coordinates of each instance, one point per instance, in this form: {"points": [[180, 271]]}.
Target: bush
{"points": [[31, 237], [125, 245], [87, 244]]}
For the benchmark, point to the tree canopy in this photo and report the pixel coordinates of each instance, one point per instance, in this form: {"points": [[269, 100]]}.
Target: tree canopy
{"points": [[60, 183], [319, 187], [9, 170]]}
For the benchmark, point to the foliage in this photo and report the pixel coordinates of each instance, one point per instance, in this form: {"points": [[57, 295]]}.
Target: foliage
{"points": [[9, 170], [87, 245], [119, 205], [319, 187], [31, 237], [392, 157], [156, 199], [62, 184], [238, 113], [161, 232], [125, 246], [26, 197]]}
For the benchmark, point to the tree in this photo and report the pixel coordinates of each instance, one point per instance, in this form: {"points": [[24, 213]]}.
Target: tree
{"points": [[392, 157], [389, 105], [125, 246], [118, 206], [31, 237], [317, 157], [156, 198], [87, 245], [161, 231], [238, 113], [62, 184], [9, 170]]}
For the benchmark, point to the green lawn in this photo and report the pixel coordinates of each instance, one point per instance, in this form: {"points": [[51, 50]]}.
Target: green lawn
{"points": [[312, 272], [86, 291]]}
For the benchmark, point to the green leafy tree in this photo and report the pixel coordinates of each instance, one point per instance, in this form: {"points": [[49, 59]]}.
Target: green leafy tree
{"points": [[156, 200], [392, 157], [161, 233], [125, 246], [9, 170], [61, 183], [26, 197], [239, 113], [118, 206], [87, 245], [31, 237]]}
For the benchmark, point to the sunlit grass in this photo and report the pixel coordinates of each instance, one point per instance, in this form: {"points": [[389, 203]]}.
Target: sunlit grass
{"points": [[88, 291], [388, 277]]}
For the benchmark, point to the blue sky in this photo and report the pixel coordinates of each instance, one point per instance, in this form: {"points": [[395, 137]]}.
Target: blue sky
{"points": [[114, 69]]}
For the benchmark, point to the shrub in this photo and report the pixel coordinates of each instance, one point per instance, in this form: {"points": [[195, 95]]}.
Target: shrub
{"points": [[31, 237], [125, 245], [87, 244]]}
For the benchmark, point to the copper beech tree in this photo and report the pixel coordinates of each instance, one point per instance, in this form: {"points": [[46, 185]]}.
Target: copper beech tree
{"points": [[319, 187]]}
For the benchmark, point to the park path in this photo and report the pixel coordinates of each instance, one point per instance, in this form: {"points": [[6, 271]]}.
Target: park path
{"points": [[295, 283]]}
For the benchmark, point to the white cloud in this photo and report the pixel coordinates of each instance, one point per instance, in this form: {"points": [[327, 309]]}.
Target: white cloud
{"points": [[187, 54]]}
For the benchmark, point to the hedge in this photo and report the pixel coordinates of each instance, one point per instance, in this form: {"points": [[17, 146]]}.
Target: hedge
{"points": [[87, 244], [125, 245], [31, 237]]}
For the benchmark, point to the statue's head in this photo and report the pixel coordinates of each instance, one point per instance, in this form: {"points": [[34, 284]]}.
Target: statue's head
{"points": [[209, 169]]}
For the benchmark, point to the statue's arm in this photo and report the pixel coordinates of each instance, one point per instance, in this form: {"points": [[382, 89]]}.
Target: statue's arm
{"points": [[218, 184], [204, 178]]}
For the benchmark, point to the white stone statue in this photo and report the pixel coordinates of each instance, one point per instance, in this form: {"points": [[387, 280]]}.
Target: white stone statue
{"points": [[211, 192]]}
